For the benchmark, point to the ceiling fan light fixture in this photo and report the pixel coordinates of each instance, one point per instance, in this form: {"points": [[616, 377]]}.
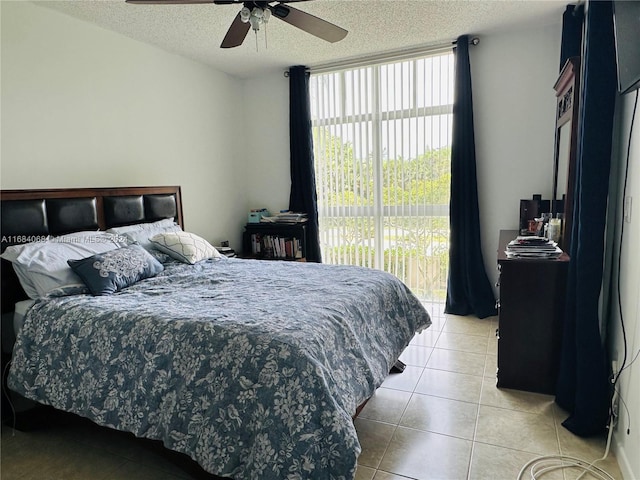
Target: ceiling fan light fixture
{"points": [[256, 12], [245, 15], [255, 23], [257, 17]]}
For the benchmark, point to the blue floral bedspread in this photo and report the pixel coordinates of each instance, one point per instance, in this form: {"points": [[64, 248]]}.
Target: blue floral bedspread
{"points": [[252, 368]]}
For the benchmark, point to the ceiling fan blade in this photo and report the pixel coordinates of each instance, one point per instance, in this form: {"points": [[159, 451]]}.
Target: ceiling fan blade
{"points": [[167, 2], [236, 33], [309, 23]]}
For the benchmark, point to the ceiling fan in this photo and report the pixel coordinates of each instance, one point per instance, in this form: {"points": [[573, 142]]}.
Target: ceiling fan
{"points": [[257, 13]]}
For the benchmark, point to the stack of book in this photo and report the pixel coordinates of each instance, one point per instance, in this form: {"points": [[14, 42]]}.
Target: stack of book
{"points": [[286, 217], [532, 247], [227, 251]]}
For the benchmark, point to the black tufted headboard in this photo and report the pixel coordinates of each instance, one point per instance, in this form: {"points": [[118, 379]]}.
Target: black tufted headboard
{"points": [[28, 215]]}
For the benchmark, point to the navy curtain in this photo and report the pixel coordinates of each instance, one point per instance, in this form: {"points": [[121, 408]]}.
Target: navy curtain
{"points": [[468, 289], [303, 197], [583, 388], [571, 45]]}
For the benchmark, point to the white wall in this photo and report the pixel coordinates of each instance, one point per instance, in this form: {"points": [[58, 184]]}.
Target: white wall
{"points": [[513, 74], [267, 178], [82, 106], [514, 109], [627, 445]]}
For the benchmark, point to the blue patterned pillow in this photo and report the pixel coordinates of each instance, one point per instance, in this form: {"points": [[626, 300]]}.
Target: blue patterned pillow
{"points": [[106, 273]]}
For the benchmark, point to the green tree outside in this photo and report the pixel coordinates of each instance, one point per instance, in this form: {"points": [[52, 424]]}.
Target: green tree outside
{"points": [[416, 242]]}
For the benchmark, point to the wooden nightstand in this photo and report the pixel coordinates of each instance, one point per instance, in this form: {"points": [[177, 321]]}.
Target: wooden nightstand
{"points": [[530, 319]]}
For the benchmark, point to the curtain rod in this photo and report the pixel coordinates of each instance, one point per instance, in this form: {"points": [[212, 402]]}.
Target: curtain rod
{"points": [[385, 57]]}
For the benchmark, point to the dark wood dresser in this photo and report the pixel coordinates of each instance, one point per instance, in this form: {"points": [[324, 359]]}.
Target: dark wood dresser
{"points": [[530, 312]]}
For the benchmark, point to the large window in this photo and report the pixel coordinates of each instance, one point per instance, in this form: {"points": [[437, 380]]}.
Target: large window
{"points": [[382, 137]]}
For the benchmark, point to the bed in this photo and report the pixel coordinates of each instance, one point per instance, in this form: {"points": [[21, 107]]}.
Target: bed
{"points": [[255, 369]]}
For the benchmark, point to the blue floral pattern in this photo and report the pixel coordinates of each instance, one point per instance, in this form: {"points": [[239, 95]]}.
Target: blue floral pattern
{"points": [[253, 368], [106, 273], [120, 265]]}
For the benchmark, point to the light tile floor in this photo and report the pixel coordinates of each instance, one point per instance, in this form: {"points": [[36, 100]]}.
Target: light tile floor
{"points": [[442, 418]]}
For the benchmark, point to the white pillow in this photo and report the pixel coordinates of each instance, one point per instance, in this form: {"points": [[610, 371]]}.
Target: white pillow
{"points": [[167, 222], [184, 246], [141, 233], [23, 276], [42, 266]]}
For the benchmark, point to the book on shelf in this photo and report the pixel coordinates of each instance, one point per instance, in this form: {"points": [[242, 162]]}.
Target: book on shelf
{"points": [[275, 246], [256, 243]]}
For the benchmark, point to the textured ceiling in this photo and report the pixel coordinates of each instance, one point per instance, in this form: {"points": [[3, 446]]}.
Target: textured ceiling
{"points": [[195, 31]]}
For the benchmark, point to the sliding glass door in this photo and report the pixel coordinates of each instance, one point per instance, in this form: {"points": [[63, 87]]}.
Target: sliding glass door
{"points": [[382, 156]]}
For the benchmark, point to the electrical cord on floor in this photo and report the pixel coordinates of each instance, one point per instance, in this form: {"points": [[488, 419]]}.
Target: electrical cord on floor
{"points": [[548, 463]]}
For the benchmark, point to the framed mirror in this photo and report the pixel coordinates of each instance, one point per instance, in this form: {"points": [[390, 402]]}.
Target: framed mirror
{"points": [[567, 89]]}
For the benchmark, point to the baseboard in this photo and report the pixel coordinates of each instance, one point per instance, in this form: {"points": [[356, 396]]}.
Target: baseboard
{"points": [[623, 461]]}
